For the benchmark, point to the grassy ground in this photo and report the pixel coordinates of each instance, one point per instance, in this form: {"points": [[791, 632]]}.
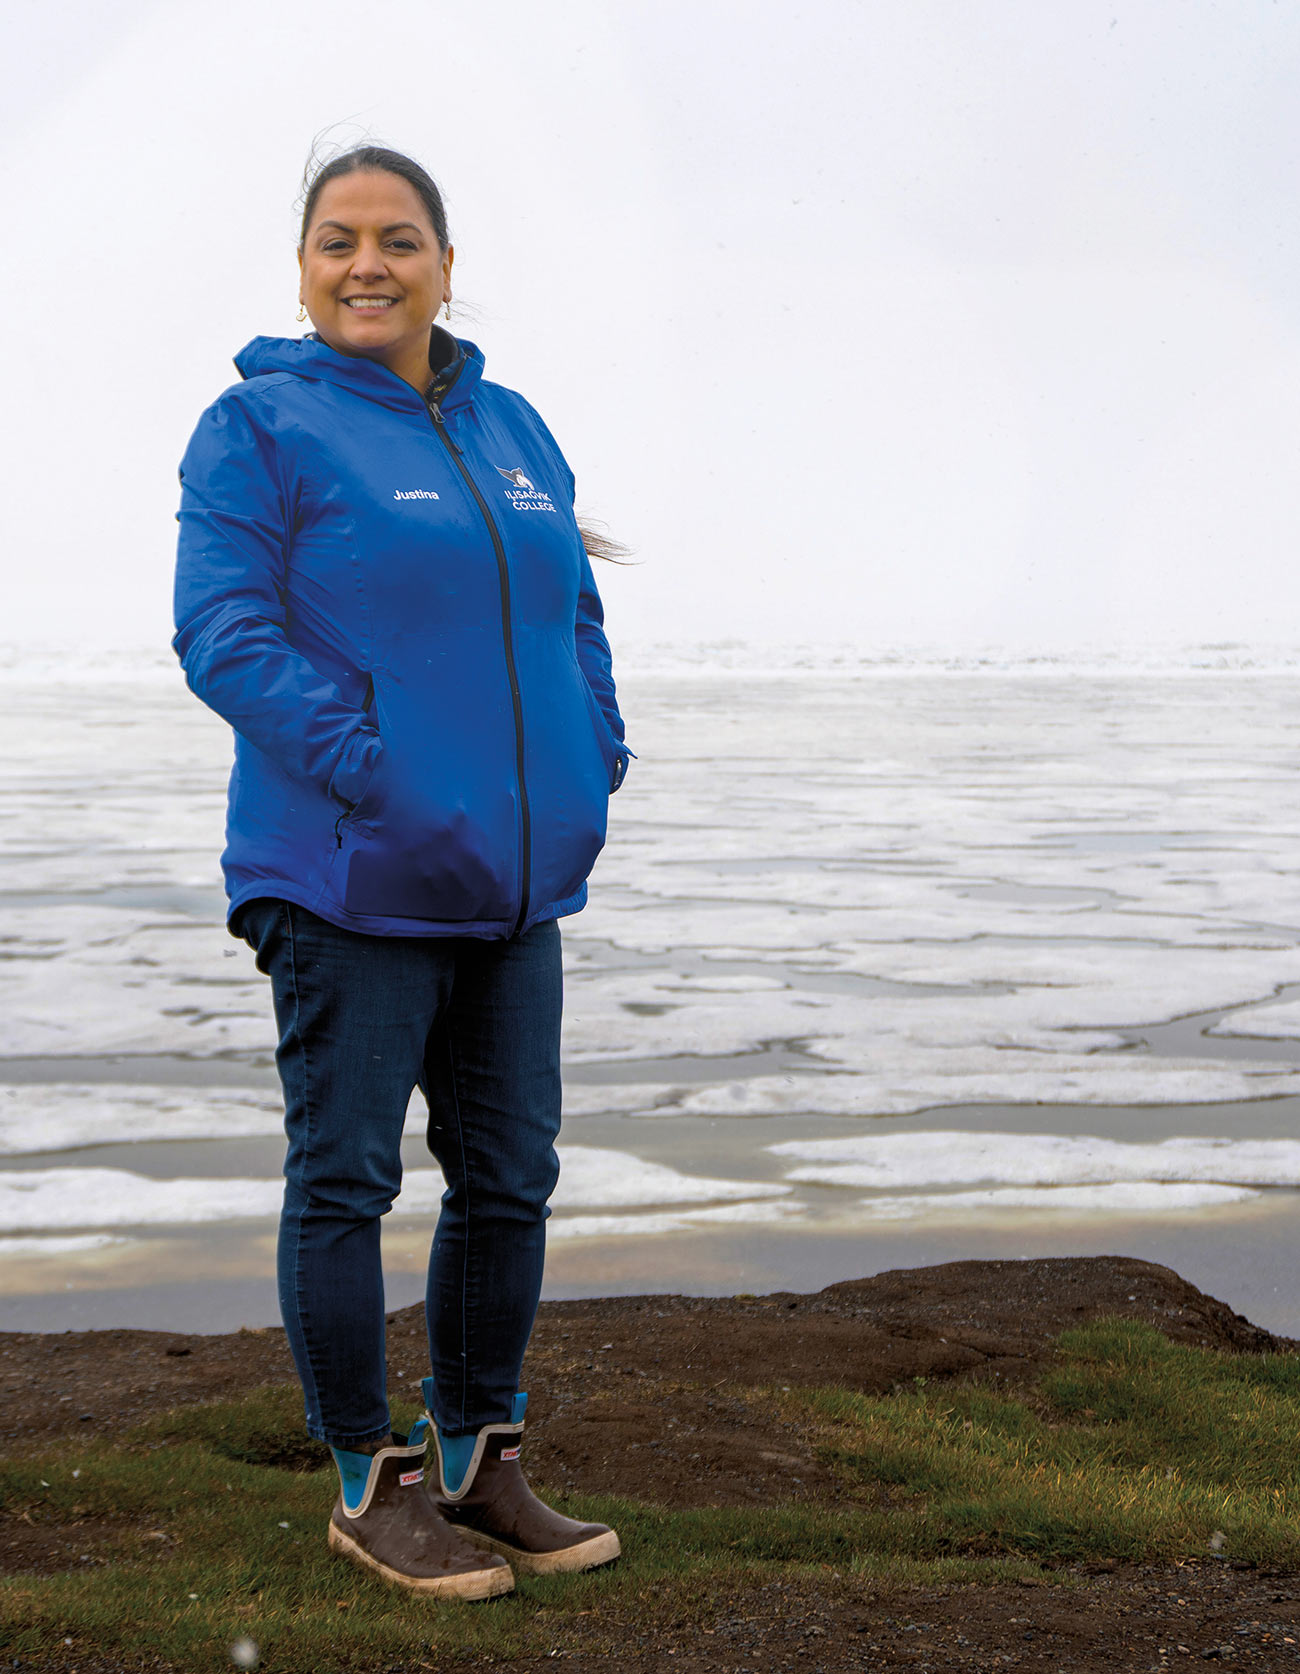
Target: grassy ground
{"points": [[205, 1527]]}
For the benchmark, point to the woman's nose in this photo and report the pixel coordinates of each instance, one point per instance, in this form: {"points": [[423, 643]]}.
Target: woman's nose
{"points": [[368, 263]]}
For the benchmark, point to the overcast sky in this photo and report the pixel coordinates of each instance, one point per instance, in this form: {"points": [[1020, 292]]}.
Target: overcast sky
{"points": [[942, 322]]}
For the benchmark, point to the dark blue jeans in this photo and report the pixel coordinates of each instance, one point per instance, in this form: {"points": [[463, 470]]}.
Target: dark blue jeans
{"points": [[363, 1020]]}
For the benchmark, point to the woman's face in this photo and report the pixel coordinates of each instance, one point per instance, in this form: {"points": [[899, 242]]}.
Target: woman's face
{"points": [[373, 273]]}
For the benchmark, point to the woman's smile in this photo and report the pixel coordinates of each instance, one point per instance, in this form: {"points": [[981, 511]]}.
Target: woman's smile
{"points": [[373, 272]]}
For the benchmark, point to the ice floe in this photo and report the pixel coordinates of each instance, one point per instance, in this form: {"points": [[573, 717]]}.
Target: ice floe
{"points": [[64, 1116], [1280, 1021], [685, 1220], [595, 1177], [59, 1116], [76, 1244], [44, 1200], [857, 888], [1132, 1198], [937, 1157], [900, 1081], [1067, 856], [86, 980]]}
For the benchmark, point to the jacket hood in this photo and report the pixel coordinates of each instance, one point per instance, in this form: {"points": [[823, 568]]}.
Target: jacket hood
{"points": [[309, 357]]}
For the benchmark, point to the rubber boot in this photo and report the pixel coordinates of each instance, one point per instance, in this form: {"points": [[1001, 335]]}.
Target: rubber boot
{"points": [[481, 1491], [387, 1522]]}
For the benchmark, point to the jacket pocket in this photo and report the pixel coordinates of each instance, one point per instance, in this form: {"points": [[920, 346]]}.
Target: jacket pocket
{"points": [[615, 759], [434, 835]]}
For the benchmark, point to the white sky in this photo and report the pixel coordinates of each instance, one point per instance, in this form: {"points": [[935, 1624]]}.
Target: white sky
{"points": [[946, 322]]}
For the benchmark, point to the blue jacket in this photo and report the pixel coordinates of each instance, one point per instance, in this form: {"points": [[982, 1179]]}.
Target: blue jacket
{"points": [[390, 603]]}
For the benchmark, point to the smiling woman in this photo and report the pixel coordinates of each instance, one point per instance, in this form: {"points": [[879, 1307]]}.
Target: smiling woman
{"points": [[427, 737], [376, 266]]}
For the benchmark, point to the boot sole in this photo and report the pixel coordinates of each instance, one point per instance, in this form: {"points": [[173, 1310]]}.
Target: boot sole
{"points": [[588, 1554], [472, 1584]]}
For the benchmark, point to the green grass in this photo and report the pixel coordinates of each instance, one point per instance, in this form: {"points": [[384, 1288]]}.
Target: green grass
{"points": [[1133, 1447], [1130, 1447]]}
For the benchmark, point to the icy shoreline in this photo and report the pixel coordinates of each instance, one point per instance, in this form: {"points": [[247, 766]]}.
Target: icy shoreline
{"points": [[834, 907], [640, 659]]}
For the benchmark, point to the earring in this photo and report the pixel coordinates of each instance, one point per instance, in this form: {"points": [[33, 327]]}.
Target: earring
{"points": [[302, 310], [447, 308]]}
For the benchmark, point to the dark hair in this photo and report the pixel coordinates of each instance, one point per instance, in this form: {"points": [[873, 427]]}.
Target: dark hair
{"points": [[372, 159], [378, 159]]}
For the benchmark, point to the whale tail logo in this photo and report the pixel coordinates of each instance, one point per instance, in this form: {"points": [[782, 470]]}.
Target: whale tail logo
{"points": [[516, 476]]}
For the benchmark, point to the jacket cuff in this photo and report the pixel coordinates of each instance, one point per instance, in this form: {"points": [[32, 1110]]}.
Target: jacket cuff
{"points": [[355, 766]]}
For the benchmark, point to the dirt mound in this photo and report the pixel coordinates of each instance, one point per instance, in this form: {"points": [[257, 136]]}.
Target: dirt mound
{"points": [[630, 1395], [631, 1390], [645, 1396]]}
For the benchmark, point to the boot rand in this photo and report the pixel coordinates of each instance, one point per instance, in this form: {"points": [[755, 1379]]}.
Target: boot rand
{"points": [[482, 1492], [385, 1521]]}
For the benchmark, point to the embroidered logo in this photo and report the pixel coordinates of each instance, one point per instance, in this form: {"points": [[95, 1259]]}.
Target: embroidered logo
{"points": [[510, 1453], [523, 496], [414, 494], [409, 1478]]}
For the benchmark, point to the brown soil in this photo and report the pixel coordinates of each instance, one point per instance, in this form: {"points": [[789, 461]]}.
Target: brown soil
{"points": [[644, 1397]]}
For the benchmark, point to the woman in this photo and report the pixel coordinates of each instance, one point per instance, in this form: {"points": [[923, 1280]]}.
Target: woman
{"points": [[381, 586]]}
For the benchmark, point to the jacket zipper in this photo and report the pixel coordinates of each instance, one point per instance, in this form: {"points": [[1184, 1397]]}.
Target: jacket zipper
{"points": [[512, 673], [347, 812]]}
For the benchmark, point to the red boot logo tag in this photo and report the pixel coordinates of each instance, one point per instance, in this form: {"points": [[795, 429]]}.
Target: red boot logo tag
{"points": [[408, 1478], [509, 1453]]}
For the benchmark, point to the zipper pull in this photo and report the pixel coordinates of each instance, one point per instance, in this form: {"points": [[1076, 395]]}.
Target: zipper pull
{"points": [[435, 413]]}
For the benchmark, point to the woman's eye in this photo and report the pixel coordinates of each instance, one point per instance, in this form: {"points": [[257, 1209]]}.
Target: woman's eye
{"points": [[334, 246], [403, 244]]}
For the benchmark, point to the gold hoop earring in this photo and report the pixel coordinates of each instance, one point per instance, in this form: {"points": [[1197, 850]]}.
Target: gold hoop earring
{"points": [[446, 308], [302, 311]]}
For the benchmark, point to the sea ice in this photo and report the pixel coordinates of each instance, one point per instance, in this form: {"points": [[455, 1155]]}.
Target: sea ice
{"points": [[1135, 1197], [1270, 1022], [38, 1116], [935, 1157], [1066, 855], [684, 1220], [61, 1116], [75, 1245], [902, 1080], [44, 1200], [912, 887], [593, 1177]]}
